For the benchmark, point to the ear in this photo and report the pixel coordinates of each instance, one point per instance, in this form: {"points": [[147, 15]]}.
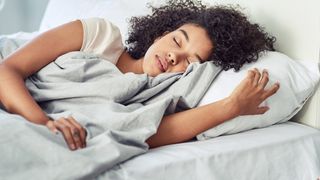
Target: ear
{"points": [[163, 34]]}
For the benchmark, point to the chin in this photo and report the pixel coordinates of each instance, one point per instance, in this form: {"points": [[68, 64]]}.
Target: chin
{"points": [[152, 74]]}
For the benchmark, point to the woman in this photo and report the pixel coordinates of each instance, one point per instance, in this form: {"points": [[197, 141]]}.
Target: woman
{"points": [[174, 36]]}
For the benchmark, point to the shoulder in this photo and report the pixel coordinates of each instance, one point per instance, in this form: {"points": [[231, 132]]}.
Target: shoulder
{"points": [[99, 23], [102, 37]]}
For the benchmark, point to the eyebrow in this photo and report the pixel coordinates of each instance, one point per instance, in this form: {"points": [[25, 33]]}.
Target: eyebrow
{"points": [[187, 38], [185, 34]]}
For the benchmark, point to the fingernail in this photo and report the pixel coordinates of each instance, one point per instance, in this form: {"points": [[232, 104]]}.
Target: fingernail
{"points": [[72, 146]]}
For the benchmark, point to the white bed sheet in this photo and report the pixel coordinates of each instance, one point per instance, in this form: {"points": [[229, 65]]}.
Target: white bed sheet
{"points": [[288, 151]]}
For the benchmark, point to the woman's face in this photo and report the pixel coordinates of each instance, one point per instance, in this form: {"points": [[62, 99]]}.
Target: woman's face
{"points": [[174, 51]]}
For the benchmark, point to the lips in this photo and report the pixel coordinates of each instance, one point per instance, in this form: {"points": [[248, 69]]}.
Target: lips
{"points": [[161, 64]]}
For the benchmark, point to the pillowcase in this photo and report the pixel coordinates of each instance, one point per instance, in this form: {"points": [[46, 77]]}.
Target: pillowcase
{"points": [[297, 84]]}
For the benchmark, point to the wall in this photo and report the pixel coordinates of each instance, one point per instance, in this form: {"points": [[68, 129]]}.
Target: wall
{"points": [[296, 24], [21, 15]]}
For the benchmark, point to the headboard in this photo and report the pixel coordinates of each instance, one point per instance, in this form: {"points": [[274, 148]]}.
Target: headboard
{"points": [[296, 24]]}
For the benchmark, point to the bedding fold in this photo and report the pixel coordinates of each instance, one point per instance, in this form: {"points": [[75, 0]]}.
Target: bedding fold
{"points": [[119, 111]]}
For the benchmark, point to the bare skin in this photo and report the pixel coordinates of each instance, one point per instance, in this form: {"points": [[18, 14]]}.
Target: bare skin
{"points": [[174, 50]]}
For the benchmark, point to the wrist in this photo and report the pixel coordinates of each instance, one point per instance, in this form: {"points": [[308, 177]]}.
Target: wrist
{"points": [[48, 120], [231, 107], [44, 121]]}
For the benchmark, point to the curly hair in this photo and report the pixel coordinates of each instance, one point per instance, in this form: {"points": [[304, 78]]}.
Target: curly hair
{"points": [[235, 40]]}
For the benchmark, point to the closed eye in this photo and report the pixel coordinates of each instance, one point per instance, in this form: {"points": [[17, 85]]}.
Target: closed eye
{"points": [[175, 40]]}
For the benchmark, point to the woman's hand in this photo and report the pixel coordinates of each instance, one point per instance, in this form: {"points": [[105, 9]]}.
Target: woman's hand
{"points": [[73, 133], [251, 92]]}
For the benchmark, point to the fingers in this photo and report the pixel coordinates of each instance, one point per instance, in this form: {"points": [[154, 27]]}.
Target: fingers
{"points": [[272, 90], [81, 130], [256, 91], [262, 110], [265, 79], [263, 82], [50, 125], [75, 133], [71, 132], [261, 79], [251, 74], [66, 133], [257, 76]]}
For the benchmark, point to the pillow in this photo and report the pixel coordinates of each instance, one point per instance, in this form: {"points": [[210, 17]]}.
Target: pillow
{"points": [[297, 84]]}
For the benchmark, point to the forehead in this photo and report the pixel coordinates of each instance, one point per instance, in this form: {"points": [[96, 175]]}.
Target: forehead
{"points": [[196, 38]]}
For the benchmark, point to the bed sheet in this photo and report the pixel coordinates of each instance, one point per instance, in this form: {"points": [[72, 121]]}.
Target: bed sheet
{"points": [[287, 151]]}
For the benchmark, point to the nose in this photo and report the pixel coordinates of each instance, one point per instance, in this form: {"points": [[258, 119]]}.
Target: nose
{"points": [[173, 58]]}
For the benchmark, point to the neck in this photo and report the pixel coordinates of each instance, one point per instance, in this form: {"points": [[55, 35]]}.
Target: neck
{"points": [[128, 64]]}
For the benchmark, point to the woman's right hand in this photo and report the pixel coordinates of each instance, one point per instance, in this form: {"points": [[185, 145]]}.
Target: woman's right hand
{"points": [[251, 92], [73, 133]]}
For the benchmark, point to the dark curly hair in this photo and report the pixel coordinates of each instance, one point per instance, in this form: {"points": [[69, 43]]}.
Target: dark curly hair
{"points": [[235, 40]]}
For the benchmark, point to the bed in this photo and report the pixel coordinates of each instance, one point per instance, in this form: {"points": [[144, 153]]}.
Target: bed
{"points": [[286, 151]]}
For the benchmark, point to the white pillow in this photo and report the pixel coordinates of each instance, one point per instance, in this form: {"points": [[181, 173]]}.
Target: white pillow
{"points": [[297, 83]]}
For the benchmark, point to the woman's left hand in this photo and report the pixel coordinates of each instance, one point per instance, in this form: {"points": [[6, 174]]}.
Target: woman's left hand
{"points": [[251, 92], [73, 133]]}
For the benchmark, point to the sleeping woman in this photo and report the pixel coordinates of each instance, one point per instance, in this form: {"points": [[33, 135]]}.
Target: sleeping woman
{"points": [[172, 37]]}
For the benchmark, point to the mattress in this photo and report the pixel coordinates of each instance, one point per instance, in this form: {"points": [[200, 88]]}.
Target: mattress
{"points": [[287, 151]]}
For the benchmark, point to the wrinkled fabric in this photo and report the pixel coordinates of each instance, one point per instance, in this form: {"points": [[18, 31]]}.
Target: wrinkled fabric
{"points": [[119, 111]]}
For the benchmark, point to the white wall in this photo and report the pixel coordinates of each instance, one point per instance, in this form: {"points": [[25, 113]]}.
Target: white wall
{"points": [[295, 23], [21, 15]]}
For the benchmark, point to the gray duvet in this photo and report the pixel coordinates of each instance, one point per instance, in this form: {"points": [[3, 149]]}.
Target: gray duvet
{"points": [[119, 112]]}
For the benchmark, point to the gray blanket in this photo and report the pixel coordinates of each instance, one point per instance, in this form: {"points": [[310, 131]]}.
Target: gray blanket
{"points": [[119, 112]]}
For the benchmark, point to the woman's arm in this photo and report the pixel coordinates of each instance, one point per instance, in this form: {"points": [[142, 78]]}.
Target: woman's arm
{"points": [[244, 100], [29, 59], [185, 125]]}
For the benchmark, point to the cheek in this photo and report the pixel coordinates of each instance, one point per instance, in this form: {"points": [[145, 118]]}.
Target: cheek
{"points": [[148, 59], [150, 52]]}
